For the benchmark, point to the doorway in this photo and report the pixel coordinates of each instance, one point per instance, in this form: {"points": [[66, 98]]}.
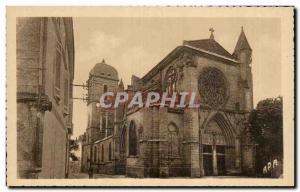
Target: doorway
{"points": [[214, 147], [207, 160], [210, 155]]}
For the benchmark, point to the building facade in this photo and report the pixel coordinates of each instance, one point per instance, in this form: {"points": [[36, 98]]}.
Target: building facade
{"points": [[171, 142], [45, 71]]}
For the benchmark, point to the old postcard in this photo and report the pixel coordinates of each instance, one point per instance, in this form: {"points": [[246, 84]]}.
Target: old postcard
{"points": [[150, 96]]}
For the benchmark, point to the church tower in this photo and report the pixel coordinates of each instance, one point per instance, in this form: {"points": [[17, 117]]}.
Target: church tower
{"points": [[243, 53], [102, 78]]}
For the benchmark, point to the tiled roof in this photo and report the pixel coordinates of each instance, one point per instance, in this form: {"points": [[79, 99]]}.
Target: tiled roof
{"points": [[209, 45]]}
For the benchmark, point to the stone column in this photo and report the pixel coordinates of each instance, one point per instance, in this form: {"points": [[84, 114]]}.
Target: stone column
{"points": [[163, 142], [201, 153], [191, 121], [237, 154], [154, 140], [106, 123], [194, 143], [214, 156]]}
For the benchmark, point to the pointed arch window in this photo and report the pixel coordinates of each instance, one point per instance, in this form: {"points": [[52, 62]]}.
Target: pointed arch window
{"points": [[99, 154], [171, 80], [173, 140], [109, 152], [123, 137], [102, 153], [95, 154], [132, 139]]}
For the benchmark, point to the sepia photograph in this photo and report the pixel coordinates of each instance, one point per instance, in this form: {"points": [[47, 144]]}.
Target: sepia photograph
{"points": [[150, 96]]}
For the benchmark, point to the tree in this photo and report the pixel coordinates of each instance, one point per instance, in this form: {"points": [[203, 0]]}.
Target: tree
{"points": [[266, 130]]}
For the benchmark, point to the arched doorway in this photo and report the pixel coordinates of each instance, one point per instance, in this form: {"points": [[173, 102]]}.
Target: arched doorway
{"points": [[216, 140]]}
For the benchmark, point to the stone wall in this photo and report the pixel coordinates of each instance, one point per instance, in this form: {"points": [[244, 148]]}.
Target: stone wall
{"points": [[28, 47], [153, 159], [54, 148], [135, 164], [104, 162], [44, 117]]}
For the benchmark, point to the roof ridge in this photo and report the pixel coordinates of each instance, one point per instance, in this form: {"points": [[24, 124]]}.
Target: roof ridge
{"points": [[210, 45], [200, 40], [211, 53]]}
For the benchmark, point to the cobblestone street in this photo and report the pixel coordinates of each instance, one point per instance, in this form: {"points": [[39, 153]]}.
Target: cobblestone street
{"points": [[95, 176]]}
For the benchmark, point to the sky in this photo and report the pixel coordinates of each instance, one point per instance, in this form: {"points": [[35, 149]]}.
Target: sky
{"points": [[136, 45]]}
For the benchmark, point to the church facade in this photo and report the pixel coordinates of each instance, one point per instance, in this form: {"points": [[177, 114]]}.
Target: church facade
{"points": [[171, 142]]}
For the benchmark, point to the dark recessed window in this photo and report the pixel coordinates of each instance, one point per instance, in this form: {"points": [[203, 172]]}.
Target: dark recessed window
{"points": [[207, 149], [103, 122], [132, 139], [109, 152], [237, 106], [95, 154], [102, 153], [220, 149]]}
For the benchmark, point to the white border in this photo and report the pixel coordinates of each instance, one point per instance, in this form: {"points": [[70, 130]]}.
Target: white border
{"points": [[107, 2]]}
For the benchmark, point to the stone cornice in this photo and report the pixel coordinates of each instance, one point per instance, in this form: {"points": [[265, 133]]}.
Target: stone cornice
{"points": [[42, 101], [203, 107], [24, 97], [103, 77]]}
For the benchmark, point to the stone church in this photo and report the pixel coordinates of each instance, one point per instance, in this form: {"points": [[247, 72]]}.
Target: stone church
{"points": [[212, 140]]}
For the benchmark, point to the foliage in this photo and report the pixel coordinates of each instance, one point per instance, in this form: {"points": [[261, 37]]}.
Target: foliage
{"points": [[266, 130]]}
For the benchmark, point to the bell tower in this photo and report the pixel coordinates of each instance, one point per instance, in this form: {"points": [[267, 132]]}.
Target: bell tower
{"points": [[243, 53], [102, 78]]}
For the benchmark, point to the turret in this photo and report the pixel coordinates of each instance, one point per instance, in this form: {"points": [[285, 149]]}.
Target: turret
{"points": [[243, 53], [121, 85]]}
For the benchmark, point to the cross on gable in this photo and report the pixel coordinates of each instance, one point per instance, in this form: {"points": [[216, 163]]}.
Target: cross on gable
{"points": [[212, 32]]}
